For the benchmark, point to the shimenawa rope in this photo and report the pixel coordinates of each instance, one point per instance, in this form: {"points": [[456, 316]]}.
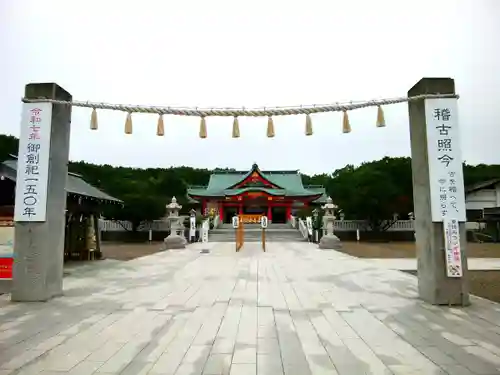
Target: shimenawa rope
{"points": [[240, 112]]}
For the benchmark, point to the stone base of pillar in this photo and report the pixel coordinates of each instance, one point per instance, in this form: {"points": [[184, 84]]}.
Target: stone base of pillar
{"points": [[174, 241], [330, 241]]}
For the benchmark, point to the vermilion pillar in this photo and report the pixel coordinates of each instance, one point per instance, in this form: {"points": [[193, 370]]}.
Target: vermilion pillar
{"points": [[288, 212], [240, 209], [203, 206], [221, 211], [269, 213]]}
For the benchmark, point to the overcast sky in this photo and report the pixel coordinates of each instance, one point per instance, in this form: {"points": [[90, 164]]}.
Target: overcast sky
{"points": [[254, 53]]}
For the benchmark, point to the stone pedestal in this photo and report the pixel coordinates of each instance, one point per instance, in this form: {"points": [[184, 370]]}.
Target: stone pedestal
{"points": [[330, 241], [174, 241]]}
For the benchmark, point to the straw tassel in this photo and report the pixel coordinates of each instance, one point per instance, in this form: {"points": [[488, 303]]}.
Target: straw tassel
{"points": [[128, 124], [160, 128], [380, 117], [270, 127], [203, 127], [346, 127], [236, 128], [309, 125], [93, 120]]}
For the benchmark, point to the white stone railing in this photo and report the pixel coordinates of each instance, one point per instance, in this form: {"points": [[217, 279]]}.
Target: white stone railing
{"points": [[362, 225], [400, 225], [339, 225], [303, 228], [120, 226]]}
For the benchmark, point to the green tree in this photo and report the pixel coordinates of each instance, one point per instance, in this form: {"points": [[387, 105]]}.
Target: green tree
{"points": [[137, 209], [8, 145], [374, 191]]}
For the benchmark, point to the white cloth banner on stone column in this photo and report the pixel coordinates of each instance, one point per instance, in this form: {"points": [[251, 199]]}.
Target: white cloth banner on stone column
{"points": [[33, 163], [445, 160]]}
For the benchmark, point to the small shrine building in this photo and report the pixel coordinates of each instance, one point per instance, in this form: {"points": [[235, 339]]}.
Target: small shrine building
{"points": [[275, 194]]}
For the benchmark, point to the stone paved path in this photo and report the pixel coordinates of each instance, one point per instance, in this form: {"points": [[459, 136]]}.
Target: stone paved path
{"points": [[292, 310]]}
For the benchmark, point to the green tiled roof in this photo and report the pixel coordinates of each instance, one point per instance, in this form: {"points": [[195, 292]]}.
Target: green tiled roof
{"points": [[288, 182], [277, 192], [318, 189]]}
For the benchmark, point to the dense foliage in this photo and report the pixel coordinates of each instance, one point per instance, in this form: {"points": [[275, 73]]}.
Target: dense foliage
{"points": [[374, 190]]}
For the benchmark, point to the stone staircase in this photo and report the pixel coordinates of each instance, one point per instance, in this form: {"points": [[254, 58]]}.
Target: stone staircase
{"points": [[253, 233]]}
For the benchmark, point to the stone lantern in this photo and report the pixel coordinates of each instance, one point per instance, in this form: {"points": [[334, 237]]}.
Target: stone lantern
{"points": [[173, 208], [176, 238], [329, 240]]}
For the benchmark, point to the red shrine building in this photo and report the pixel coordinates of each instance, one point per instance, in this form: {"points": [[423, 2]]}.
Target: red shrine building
{"points": [[276, 194]]}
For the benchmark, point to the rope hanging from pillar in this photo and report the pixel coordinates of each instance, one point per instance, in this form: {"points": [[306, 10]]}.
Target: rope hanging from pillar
{"points": [[268, 112]]}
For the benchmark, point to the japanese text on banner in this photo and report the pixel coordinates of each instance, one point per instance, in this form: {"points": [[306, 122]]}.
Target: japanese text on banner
{"points": [[33, 163], [452, 248], [445, 160]]}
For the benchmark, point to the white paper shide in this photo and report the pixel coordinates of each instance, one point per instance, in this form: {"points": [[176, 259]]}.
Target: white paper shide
{"points": [[452, 248], [445, 160], [33, 163]]}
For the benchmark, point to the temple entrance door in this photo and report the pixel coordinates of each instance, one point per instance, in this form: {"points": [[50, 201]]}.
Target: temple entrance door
{"points": [[229, 212], [254, 210], [279, 215]]}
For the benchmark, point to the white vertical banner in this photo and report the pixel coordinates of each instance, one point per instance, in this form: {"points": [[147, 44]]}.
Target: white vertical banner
{"points": [[204, 231], [453, 252], [263, 222], [309, 225], [235, 221], [445, 160], [33, 162], [192, 226]]}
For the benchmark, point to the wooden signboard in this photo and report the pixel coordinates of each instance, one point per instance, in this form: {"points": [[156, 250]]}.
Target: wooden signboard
{"points": [[6, 247]]}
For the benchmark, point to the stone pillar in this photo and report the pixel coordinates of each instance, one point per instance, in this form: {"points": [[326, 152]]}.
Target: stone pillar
{"points": [[39, 246], [433, 284]]}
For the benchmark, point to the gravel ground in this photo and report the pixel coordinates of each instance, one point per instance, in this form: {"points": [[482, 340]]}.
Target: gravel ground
{"points": [[485, 284], [407, 250], [120, 251]]}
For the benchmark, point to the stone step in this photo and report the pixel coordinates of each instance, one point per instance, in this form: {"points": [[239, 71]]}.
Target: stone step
{"points": [[270, 226], [277, 239], [255, 230], [255, 235]]}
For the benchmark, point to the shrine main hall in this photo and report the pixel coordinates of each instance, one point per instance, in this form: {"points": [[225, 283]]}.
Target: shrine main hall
{"points": [[276, 194]]}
